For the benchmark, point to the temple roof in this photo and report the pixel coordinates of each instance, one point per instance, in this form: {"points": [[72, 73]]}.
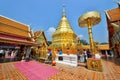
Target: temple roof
{"points": [[100, 47], [12, 27], [39, 33], [113, 14], [15, 41], [15, 32], [64, 25]]}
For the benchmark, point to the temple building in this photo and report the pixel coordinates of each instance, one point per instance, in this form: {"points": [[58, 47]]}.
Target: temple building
{"points": [[64, 37], [15, 34], [113, 22], [103, 48], [41, 44]]}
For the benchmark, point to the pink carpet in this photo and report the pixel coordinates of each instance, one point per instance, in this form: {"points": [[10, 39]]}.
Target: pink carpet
{"points": [[35, 71]]}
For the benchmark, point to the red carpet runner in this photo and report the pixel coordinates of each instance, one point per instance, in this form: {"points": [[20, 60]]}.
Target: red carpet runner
{"points": [[35, 71]]}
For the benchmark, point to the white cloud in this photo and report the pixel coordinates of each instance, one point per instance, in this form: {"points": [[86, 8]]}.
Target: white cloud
{"points": [[80, 36], [51, 30], [49, 33]]}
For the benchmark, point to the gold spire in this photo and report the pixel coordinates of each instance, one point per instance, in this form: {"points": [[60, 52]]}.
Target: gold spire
{"points": [[64, 25], [63, 14]]}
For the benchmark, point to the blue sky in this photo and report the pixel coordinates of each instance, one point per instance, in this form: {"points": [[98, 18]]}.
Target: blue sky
{"points": [[46, 14]]}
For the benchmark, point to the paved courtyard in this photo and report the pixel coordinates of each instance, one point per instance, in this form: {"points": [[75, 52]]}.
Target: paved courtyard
{"points": [[111, 71]]}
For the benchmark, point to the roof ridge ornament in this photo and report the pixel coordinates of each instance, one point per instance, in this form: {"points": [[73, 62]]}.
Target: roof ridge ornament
{"points": [[117, 3]]}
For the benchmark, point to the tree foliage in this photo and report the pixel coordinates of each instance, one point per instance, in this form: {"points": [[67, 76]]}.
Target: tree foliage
{"points": [[104, 43], [49, 42], [84, 42]]}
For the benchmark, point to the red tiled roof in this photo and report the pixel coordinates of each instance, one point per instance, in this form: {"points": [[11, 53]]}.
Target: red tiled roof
{"points": [[9, 26], [16, 40], [114, 14]]}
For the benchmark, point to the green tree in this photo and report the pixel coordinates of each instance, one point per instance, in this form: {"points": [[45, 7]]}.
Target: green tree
{"points": [[84, 42], [49, 42], [104, 43]]}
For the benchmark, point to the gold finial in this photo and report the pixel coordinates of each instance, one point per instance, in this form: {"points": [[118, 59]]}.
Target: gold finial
{"points": [[63, 5]]}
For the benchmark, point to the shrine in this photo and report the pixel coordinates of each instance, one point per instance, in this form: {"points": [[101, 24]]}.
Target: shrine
{"points": [[40, 48]]}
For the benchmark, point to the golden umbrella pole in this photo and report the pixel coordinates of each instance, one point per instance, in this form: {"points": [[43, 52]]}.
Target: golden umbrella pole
{"points": [[92, 47], [88, 20]]}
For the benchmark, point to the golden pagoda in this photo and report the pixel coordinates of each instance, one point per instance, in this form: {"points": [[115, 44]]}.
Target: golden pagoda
{"points": [[64, 37]]}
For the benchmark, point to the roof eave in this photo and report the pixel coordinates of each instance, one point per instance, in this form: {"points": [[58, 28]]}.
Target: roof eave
{"points": [[107, 15]]}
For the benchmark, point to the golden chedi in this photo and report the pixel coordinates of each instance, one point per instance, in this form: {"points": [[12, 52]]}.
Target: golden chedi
{"points": [[64, 37]]}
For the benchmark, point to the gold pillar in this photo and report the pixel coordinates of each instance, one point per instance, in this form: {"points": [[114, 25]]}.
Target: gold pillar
{"points": [[90, 37]]}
